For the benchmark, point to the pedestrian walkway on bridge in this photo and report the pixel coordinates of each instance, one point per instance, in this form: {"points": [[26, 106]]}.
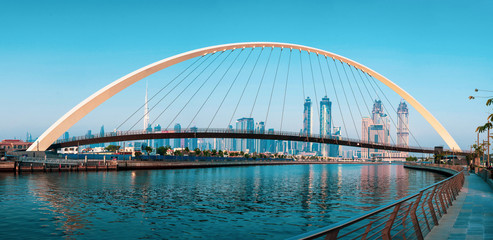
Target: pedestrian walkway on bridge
{"points": [[471, 216]]}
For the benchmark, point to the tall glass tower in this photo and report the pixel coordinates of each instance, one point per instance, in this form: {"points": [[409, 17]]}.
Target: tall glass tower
{"points": [[325, 123], [246, 125], [158, 142], [403, 125], [177, 142], [307, 122]]}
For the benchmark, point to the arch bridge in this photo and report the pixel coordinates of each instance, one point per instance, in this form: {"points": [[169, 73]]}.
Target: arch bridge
{"points": [[48, 138]]}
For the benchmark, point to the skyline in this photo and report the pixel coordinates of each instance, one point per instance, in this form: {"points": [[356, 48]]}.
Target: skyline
{"points": [[64, 56]]}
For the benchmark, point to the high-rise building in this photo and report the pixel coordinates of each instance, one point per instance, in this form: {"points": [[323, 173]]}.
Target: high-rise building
{"points": [[193, 141], [101, 134], [158, 142], [271, 145], [307, 122], [325, 123], [177, 141], [402, 125], [335, 150], [245, 125], [230, 143], [375, 130], [66, 137], [260, 143], [365, 135]]}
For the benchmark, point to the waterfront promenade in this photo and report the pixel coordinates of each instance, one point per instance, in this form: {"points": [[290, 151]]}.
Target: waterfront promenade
{"points": [[471, 216]]}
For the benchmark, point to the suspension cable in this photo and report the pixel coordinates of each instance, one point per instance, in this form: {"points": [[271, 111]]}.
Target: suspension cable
{"points": [[261, 80], [345, 96], [396, 112], [285, 89], [172, 89], [244, 88], [362, 96], [116, 129], [217, 84], [206, 80], [225, 96], [186, 87], [273, 84], [314, 87], [337, 97], [385, 109]]}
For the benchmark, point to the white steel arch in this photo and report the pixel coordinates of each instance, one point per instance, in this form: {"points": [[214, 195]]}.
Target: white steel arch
{"points": [[93, 101]]}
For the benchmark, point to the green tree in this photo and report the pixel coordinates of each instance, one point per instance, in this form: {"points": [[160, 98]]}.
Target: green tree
{"points": [[220, 153], [213, 152], [161, 150], [148, 149], [197, 151], [138, 154], [411, 159], [112, 148], [187, 150]]}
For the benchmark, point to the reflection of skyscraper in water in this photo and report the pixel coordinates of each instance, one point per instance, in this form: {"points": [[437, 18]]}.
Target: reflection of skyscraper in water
{"points": [[307, 122], [325, 123]]}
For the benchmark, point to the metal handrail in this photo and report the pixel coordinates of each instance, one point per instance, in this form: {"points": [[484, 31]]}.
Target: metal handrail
{"points": [[455, 181], [236, 131]]}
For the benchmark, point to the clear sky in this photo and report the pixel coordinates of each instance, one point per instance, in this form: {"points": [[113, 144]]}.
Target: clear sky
{"points": [[54, 54]]}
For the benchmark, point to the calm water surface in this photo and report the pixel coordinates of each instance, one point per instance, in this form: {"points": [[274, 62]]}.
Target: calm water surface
{"points": [[257, 202]]}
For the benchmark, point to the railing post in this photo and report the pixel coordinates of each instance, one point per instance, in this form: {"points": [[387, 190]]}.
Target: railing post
{"points": [[430, 206], [440, 201], [388, 226], [424, 212], [414, 218], [332, 235]]}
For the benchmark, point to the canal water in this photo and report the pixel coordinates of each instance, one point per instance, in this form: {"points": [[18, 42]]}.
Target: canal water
{"points": [[255, 202]]}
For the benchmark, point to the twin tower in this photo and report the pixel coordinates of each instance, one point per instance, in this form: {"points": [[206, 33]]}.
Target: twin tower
{"points": [[374, 129]]}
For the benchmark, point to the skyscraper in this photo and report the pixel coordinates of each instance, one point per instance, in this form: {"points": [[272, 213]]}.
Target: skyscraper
{"points": [[230, 142], [158, 142], [375, 130], [177, 141], [271, 145], [402, 125], [325, 123], [307, 122], [335, 149], [194, 141], [260, 143], [101, 134], [245, 125]]}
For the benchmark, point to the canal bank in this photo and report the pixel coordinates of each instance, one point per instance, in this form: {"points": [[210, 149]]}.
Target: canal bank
{"points": [[59, 165]]}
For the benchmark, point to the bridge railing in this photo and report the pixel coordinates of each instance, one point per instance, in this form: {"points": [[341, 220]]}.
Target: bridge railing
{"points": [[236, 131], [411, 217]]}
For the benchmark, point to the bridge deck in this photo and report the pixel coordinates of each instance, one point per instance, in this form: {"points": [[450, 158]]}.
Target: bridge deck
{"points": [[471, 216], [219, 133]]}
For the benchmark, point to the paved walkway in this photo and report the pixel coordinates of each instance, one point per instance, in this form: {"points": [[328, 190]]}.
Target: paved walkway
{"points": [[471, 216]]}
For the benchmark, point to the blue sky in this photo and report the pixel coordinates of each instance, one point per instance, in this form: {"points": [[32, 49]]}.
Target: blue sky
{"points": [[54, 54]]}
